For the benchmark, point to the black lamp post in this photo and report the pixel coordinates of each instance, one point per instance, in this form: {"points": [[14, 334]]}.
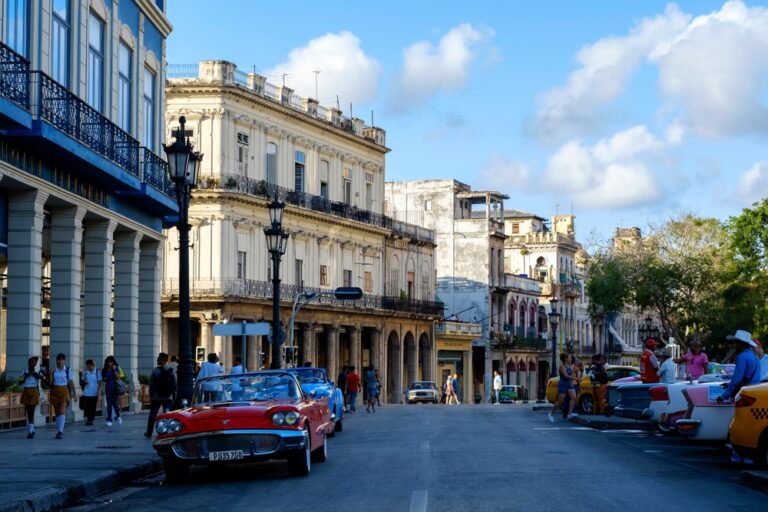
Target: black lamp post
{"points": [[648, 330], [554, 318], [277, 242], [183, 164]]}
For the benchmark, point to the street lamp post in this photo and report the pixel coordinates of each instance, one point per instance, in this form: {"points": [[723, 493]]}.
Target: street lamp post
{"points": [[554, 317], [277, 242], [183, 164]]}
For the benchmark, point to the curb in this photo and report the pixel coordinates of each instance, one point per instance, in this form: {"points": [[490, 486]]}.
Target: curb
{"points": [[608, 424], [755, 479], [68, 493]]}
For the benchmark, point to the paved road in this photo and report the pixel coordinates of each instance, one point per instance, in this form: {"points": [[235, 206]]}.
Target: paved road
{"points": [[457, 458]]}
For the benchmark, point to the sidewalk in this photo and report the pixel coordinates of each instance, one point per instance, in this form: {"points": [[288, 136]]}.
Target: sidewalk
{"points": [[41, 473], [601, 422]]}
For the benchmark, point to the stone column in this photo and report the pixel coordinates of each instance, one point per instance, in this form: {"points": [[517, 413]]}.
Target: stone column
{"points": [[126, 338], [97, 288], [150, 264], [23, 306], [305, 353], [413, 364], [252, 349], [332, 340], [375, 348], [355, 344], [469, 378], [66, 248]]}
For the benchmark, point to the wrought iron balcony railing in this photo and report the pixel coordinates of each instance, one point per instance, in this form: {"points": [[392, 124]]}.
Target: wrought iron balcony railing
{"points": [[253, 289], [14, 77], [155, 172]]}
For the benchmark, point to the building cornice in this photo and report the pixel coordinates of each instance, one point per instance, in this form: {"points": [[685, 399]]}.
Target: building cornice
{"points": [[156, 16]]}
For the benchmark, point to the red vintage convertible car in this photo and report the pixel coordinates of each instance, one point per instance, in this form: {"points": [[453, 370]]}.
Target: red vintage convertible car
{"points": [[244, 418]]}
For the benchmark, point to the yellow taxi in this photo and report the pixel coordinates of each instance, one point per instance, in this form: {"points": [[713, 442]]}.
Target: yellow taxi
{"points": [[749, 427], [585, 398]]}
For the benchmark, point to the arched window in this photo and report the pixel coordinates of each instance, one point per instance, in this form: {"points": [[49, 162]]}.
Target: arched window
{"points": [[522, 316], [272, 163], [532, 316], [511, 317]]}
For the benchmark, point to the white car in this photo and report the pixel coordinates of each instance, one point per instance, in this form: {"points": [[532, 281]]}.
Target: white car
{"points": [[422, 391]]}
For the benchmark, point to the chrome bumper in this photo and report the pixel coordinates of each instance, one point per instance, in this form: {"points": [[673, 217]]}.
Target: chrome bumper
{"points": [[254, 444]]}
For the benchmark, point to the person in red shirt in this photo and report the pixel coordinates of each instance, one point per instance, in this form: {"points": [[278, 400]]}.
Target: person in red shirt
{"points": [[353, 387], [648, 363]]}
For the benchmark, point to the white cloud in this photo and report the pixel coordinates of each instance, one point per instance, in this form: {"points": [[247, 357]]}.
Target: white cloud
{"points": [[344, 68], [753, 184], [716, 70], [711, 67], [604, 70], [611, 174], [428, 69], [504, 175]]}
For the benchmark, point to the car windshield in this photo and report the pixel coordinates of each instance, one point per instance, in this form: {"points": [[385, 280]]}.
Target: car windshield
{"points": [[309, 375], [246, 387], [423, 385]]}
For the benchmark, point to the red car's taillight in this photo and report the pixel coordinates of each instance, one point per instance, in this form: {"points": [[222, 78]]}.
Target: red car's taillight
{"points": [[745, 401], [659, 393]]}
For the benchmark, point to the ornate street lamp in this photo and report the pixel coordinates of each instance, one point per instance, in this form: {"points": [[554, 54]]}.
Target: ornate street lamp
{"points": [[183, 164], [277, 242], [648, 330], [554, 318]]}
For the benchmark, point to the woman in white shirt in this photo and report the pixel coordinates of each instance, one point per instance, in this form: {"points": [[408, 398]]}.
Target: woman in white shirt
{"points": [[62, 391], [30, 395], [211, 368], [91, 384]]}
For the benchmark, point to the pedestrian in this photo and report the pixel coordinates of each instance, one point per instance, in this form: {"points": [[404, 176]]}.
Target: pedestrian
{"points": [[695, 361], [91, 384], [378, 389], [565, 387], [341, 383], [601, 378], [62, 392], [353, 388], [450, 395], [372, 390], [747, 372], [762, 360], [173, 364], [667, 371], [648, 363], [30, 395], [210, 368], [162, 388], [113, 388], [237, 369], [496, 387], [456, 388]]}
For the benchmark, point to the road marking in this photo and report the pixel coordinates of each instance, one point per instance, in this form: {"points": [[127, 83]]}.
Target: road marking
{"points": [[419, 501], [623, 431], [425, 445], [653, 451]]}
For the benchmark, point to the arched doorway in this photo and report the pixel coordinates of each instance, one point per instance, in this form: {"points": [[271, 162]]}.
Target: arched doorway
{"points": [[394, 369], [425, 359], [410, 361]]}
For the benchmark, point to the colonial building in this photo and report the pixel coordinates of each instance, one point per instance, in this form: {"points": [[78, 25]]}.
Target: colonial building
{"points": [[469, 231], [83, 192], [262, 141]]}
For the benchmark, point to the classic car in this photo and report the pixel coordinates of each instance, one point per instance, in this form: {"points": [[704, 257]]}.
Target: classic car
{"points": [[749, 429], [585, 398], [243, 418], [705, 418], [509, 393], [612, 392], [422, 391], [634, 400], [316, 379]]}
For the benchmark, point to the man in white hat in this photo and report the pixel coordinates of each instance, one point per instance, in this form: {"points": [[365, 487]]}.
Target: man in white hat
{"points": [[747, 371]]}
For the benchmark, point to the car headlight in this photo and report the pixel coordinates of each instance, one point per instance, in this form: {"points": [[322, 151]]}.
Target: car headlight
{"points": [[161, 427], [278, 418], [291, 418], [174, 425]]}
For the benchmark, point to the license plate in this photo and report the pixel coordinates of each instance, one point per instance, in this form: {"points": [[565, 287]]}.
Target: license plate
{"points": [[228, 455]]}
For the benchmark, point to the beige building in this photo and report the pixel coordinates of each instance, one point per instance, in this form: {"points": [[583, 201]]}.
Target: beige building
{"points": [[260, 140]]}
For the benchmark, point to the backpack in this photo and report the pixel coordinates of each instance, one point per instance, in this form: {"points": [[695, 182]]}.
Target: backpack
{"points": [[164, 383]]}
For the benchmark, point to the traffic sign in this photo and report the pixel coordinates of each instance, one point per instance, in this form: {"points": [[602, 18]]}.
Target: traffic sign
{"points": [[241, 329], [348, 293]]}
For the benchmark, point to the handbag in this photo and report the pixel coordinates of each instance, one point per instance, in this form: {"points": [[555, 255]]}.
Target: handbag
{"points": [[120, 387]]}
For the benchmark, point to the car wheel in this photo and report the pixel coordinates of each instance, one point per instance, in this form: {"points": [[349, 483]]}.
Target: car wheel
{"points": [[585, 404], [175, 472], [300, 463], [320, 454], [339, 426]]}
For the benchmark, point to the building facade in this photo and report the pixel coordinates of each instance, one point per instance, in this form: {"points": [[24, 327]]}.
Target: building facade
{"points": [[262, 141], [83, 188]]}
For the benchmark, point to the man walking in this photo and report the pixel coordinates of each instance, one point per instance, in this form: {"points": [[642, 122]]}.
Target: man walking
{"points": [[496, 386], [372, 381], [162, 388], [353, 388]]}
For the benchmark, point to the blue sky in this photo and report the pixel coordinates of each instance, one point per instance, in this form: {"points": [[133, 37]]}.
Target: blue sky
{"points": [[626, 113]]}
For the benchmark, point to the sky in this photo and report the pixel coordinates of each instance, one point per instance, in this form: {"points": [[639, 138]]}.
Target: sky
{"points": [[622, 113]]}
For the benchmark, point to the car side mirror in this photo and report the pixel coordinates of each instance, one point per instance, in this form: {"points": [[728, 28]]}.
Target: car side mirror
{"points": [[184, 403], [313, 393]]}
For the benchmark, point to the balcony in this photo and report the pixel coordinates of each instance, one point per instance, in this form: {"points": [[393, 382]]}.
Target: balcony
{"points": [[450, 328], [236, 289], [260, 188], [14, 87]]}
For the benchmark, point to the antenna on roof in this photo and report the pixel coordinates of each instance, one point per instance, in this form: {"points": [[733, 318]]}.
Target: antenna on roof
{"points": [[284, 75], [372, 125], [316, 72], [350, 110], [557, 208], [338, 105]]}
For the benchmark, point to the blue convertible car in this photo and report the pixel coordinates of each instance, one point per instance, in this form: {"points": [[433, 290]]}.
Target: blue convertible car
{"points": [[315, 380]]}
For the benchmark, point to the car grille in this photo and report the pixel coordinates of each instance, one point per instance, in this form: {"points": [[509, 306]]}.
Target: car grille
{"points": [[249, 444]]}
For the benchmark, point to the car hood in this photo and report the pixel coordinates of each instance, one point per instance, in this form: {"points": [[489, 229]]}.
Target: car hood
{"points": [[230, 416]]}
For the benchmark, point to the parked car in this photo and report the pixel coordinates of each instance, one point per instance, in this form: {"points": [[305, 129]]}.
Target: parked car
{"points": [[749, 429], [243, 418], [585, 399], [705, 418], [509, 393], [612, 392], [634, 400], [316, 380], [423, 391]]}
